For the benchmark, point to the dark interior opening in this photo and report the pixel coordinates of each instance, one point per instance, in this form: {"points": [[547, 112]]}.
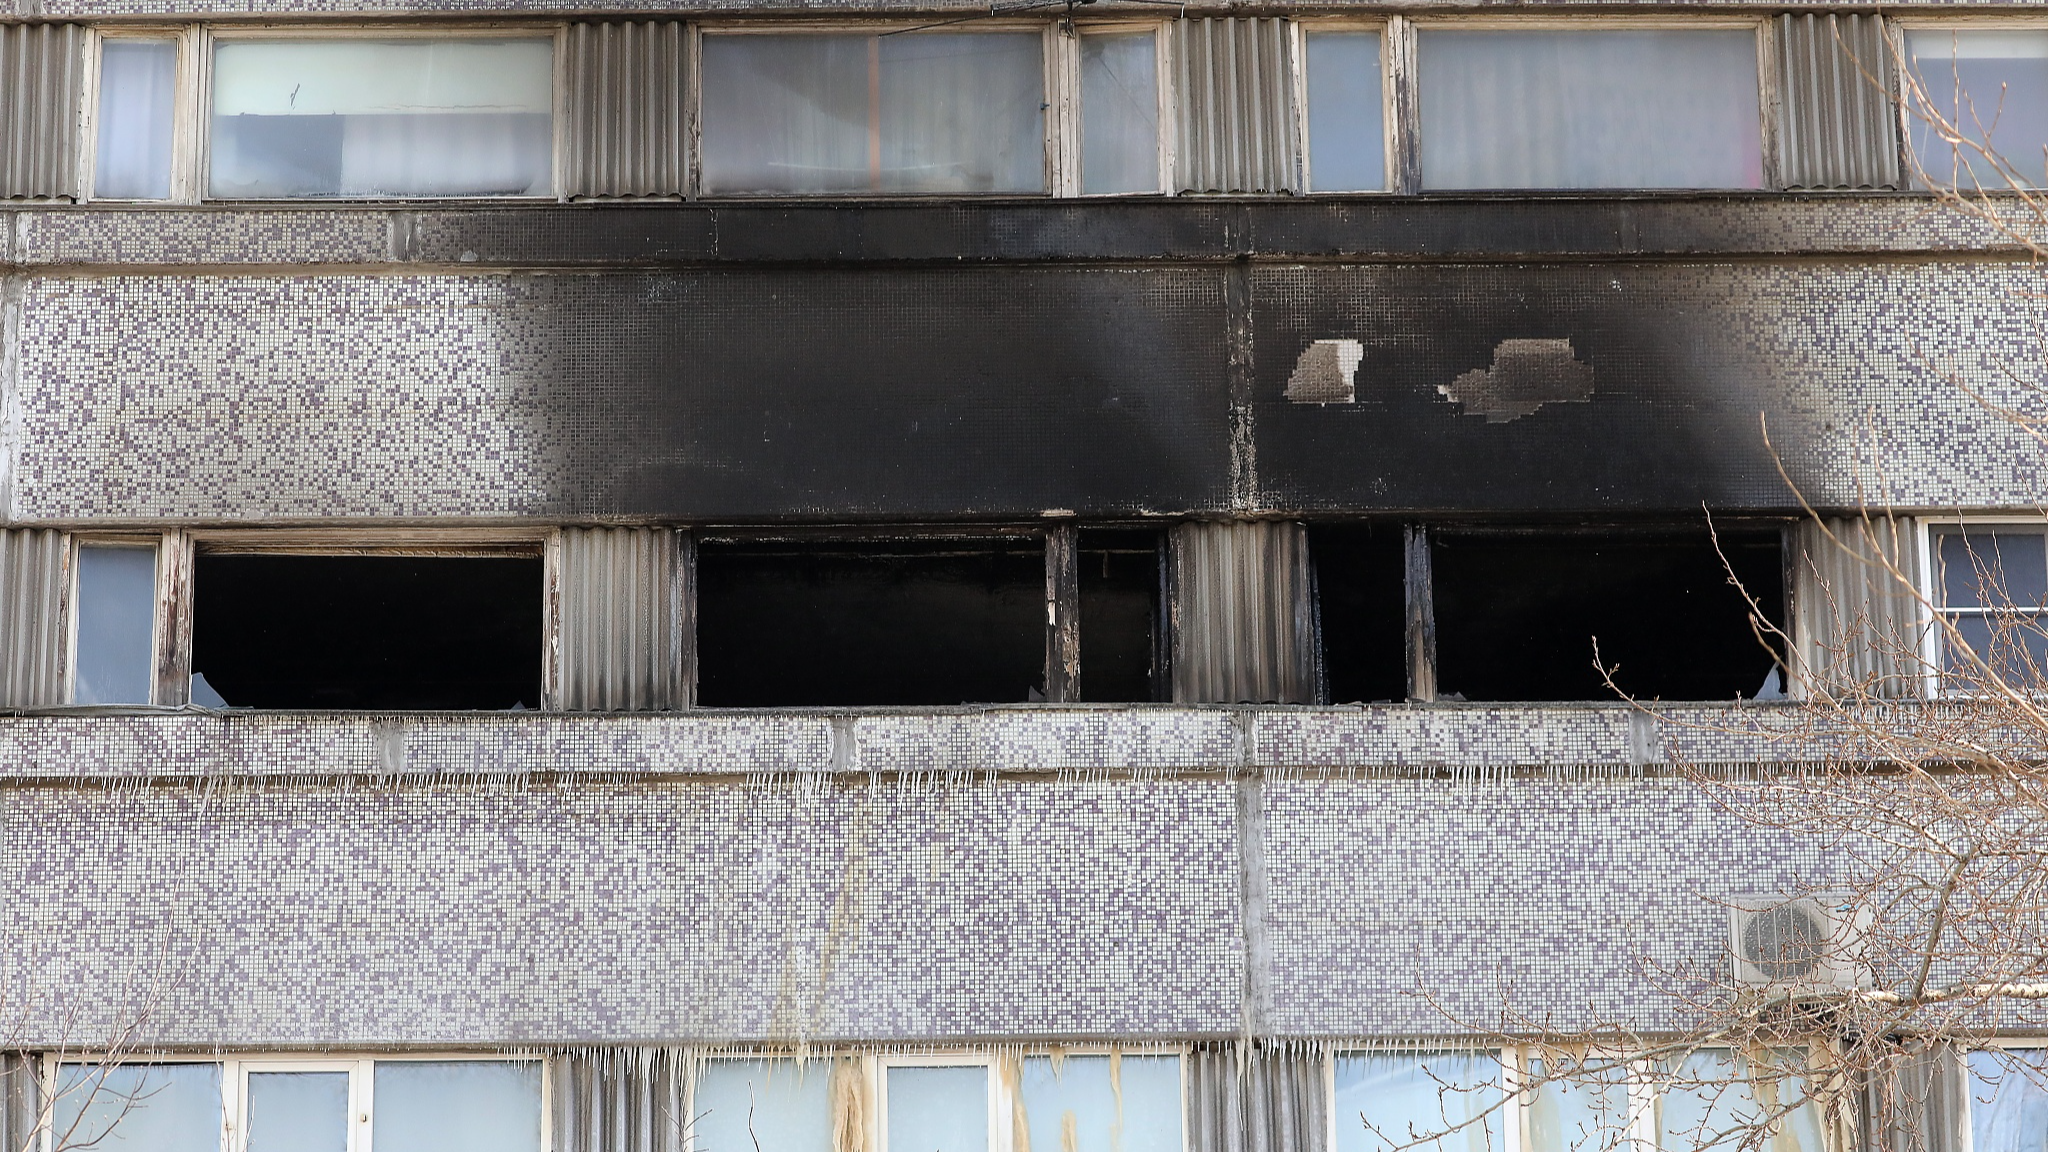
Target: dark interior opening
{"points": [[1119, 579], [896, 622], [1361, 586], [1517, 615], [372, 632]]}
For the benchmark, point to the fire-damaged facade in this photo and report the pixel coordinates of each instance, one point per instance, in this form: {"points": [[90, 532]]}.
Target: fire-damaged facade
{"points": [[873, 577]]}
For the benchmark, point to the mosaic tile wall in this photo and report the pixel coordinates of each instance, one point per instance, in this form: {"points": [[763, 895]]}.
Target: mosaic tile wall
{"points": [[245, 397], [860, 887]]}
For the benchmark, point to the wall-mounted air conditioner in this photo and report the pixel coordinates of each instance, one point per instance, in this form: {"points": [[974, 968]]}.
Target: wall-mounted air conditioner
{"points": [[1805, 942]]}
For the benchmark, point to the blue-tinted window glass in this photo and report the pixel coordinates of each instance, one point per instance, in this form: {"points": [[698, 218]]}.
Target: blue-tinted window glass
{"points": [[115, 649], [1582, 1111], [1119, 113], [1347, 149], [298, 1111], [1100, 1104], [2008, 1101], [138, 1107], [773, 1104], [1994, 569], [939, 1109], [1991, 87], [1387, 1100], [457, 1106], [1710, 1102]]}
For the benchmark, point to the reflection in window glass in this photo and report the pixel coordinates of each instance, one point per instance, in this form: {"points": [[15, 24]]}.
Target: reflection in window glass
{"points": [[1992, 89], [1584, 1112], [116, 625], [1597, 109], [457, 1106], [308, 118], [1409, 1095], [938, 1109], [1994, 589], [1346, 109], [298, 1111], [933, 112], [2009, 1101], [738, 1105], [138, 87], [1119, 113], [1712, 1101], [1096, 1104], [138, 1107]]}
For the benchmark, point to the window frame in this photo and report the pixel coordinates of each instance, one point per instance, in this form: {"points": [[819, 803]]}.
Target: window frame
{"points": [[1996, 1043], [1763, 38], [75, 543], [1394, 104], [1932, 594], [1059, 108], [184, 137], [1067, 157], [1898, 27], [209, 37]]}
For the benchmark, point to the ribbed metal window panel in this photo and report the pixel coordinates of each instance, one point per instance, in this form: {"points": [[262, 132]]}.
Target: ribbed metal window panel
{"points": [[33, 582], [626, 126], [1234, 105], [1243, 614], [1837, 123], [41, 67], [621, 599], [1857, 626]]}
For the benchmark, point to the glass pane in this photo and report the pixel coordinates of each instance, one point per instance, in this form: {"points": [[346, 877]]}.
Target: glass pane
{"points": [[1992, 89], [457, 1106], [1585, 1112], [738, 1103], [1095, 1104], [298, 1112], [1710, 1101], [1119, 113], [116, 625], [1620, 109], [1451, 1095], [938, 1109], [138, 85], [383, 118], [2015, 647], [936, 112], [143, 1107], [2000, 569], [1346, 129], [2009, 1101]]}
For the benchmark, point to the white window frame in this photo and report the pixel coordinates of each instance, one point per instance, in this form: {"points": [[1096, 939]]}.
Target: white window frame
{"points": [[1766, 70], [1932, 593], [1068, 165], [184, 38], [1060, 69], [162, 548], [362, 1071], [208, 37], [1391, 106]]}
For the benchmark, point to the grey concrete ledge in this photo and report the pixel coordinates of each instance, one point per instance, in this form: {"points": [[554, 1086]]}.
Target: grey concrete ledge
{"points": [[1457, 740], [480, 237]]}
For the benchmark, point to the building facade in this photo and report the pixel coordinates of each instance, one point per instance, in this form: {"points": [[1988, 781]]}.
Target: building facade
{"points": [[868, 577]]}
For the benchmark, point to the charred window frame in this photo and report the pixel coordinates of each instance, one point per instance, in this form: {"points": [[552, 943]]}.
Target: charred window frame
{"points": [[1988, 578]]}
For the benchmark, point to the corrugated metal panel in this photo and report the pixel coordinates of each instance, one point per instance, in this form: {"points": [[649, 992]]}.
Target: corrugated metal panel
{"points": [[626, 127], [620, 595], [40, 72], [1857, 629], [1234, 100], [32, 593], [1243, 614], [1837, 127]]}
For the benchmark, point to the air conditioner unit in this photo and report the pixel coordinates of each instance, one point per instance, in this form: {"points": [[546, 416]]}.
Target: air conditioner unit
{"points": [[1803, 943]]}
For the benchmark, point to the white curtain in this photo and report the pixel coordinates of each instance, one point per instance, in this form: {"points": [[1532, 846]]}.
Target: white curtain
{"points": [[138, 88]]}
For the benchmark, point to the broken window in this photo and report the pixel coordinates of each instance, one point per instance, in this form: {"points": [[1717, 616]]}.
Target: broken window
{"points": [[371, 118], [161, 1107], [1121, 653], [1347, 141], [136, 120], [1647, 108], [1079, 1103], [1405, 1095], [114, 646], [1516, 616], [765, 1105], [907, 622], [1993, 584], [367, 631], [890, 113], [1120, 112], [1361, 585], [1990, 88]]}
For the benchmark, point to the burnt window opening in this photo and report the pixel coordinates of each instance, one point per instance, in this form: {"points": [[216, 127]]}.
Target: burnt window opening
{"points": [[864, 624], [1362, 604], [1121, 653], [1516, 616], [367, 632]]}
